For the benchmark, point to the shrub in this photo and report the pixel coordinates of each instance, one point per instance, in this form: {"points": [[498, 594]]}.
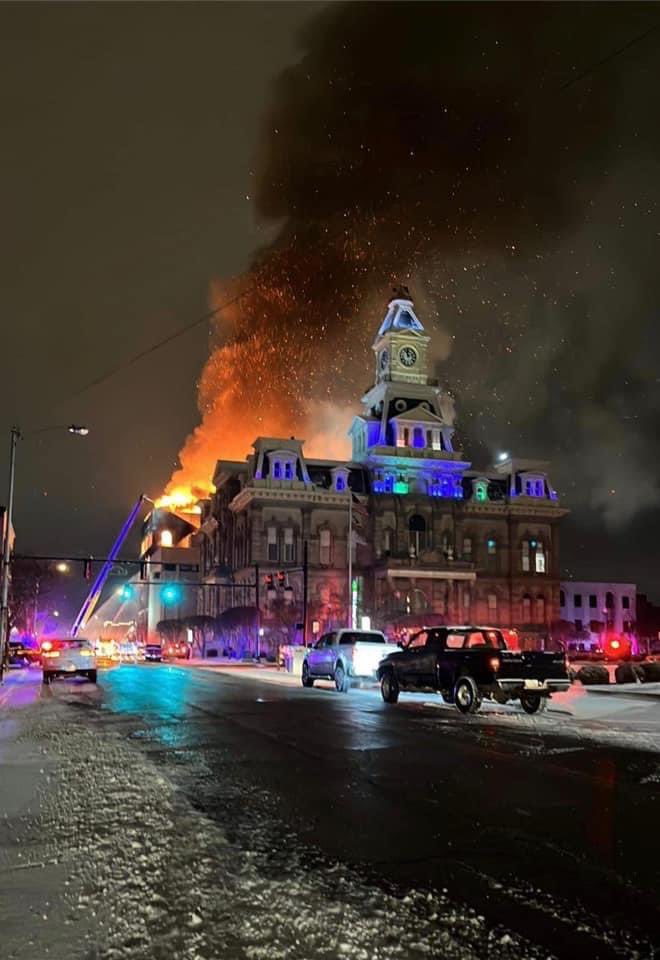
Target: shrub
{"points": [[628, 673], [650, 672], [592, 673]]}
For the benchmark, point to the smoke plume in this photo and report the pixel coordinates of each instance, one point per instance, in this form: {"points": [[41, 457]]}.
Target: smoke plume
{"points": [[471, 151]]}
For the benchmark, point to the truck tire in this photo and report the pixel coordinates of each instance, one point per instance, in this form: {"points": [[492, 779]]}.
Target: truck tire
{"points": [[389, 687], [342, 682], [307, 681], [533, 702], [466, 695]]}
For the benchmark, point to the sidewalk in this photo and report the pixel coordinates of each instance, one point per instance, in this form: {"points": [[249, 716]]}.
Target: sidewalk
{"points": [[249, 670], [20, 688]]}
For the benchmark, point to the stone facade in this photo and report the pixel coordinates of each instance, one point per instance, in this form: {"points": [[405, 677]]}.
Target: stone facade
{"points": [[433, 539]]}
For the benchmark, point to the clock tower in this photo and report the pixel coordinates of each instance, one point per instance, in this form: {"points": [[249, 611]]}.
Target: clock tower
{"points": [[401, 344], [405, 410]]}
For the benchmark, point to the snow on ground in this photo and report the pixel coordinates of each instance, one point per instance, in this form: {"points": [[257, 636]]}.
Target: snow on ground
{"points": [[141, 873]]}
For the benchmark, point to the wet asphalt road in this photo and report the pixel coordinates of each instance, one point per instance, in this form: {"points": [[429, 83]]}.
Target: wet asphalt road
{"points": [[556, 839]]}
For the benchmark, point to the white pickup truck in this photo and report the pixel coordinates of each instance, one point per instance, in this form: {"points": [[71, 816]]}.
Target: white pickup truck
{"points": [[342, 655]]}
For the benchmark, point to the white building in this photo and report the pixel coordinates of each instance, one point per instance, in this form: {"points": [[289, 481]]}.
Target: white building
{"points": [[594, 609]]}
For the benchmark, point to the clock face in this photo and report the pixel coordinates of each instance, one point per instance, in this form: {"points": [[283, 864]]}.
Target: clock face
{"points": [[384, 359], [408, 356]]}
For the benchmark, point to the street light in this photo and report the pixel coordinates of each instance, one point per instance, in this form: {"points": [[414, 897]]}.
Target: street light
{"points": [[14, 437], [62, 567]]}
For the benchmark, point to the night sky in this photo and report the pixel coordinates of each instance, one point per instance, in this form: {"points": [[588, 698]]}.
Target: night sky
{"points": [[501, 160]]}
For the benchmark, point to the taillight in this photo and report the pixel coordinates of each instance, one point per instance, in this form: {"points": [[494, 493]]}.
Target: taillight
{"points": [[49, 654], [46, 645], [615, 644], [494, 663]]}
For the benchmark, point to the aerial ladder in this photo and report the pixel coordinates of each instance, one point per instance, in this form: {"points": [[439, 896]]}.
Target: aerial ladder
{"points": [[92, 597]]}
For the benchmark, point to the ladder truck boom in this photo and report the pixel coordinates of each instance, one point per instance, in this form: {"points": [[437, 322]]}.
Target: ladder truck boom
{"points": [[92, 597]]}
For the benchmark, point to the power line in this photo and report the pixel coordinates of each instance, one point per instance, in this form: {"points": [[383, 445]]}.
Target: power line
{"points": [[609, 57], [160, 343]]}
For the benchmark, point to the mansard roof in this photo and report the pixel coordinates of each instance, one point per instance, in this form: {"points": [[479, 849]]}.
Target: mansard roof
{"points": [[400, 316]]}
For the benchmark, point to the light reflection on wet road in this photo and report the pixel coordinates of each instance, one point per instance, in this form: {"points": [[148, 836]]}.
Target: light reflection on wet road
{"points": [[520, 820]]}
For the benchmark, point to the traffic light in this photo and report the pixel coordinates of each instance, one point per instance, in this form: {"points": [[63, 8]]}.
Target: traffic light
{"points": [[87, 569], [170, 594], [281, 578], [268, 581], [127, 592]]}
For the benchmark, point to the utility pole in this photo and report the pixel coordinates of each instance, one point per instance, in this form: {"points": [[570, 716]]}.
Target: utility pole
{"points": [[6, 554], [305, 590], [256, 603], [350, 557]]}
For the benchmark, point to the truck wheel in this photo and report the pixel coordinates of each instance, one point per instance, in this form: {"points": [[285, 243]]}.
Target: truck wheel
{"points": [[533, 702], [307, 681], [342, 682], [389, 687], [466, 695]]}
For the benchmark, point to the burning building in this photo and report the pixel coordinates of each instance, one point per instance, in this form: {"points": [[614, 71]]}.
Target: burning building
{"points": [[404, 533]]}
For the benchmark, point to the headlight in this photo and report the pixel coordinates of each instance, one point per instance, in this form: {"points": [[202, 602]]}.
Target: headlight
{"points": [[51, 653], [86, 653]]}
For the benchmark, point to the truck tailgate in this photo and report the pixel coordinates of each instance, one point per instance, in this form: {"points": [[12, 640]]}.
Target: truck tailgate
{"points": [[531, 664], [367, 656]]}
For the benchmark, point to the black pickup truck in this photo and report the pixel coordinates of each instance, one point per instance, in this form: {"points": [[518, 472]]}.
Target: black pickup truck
{"points": [[468, 664]]}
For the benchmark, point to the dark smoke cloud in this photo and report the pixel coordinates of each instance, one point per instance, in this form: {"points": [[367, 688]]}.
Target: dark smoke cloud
{"points": [[471, 150]]}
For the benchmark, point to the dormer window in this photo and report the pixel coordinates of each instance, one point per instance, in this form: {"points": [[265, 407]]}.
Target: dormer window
{"points": [[480, 488], [533, 486], [277, 470], [341, 483], [288, 470], [418, 437]]}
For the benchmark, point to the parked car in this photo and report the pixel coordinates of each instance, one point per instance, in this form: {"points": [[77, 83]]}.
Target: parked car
{"points": [[153, 652], [128, 651], [176, 650], [68, 658], [17, 654], [343, 655], [469, 664]]}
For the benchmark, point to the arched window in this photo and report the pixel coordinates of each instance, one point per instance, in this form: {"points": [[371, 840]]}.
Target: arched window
{"points": [[527, 609], [492, 605], [288, 470], [325, 546], [273, 551], [491, 546], [277, 470], [525, 555], [387, 540], [539, 558], [540, 610], [417, 533], [340, 484], [418, 437], [166, 538]]}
